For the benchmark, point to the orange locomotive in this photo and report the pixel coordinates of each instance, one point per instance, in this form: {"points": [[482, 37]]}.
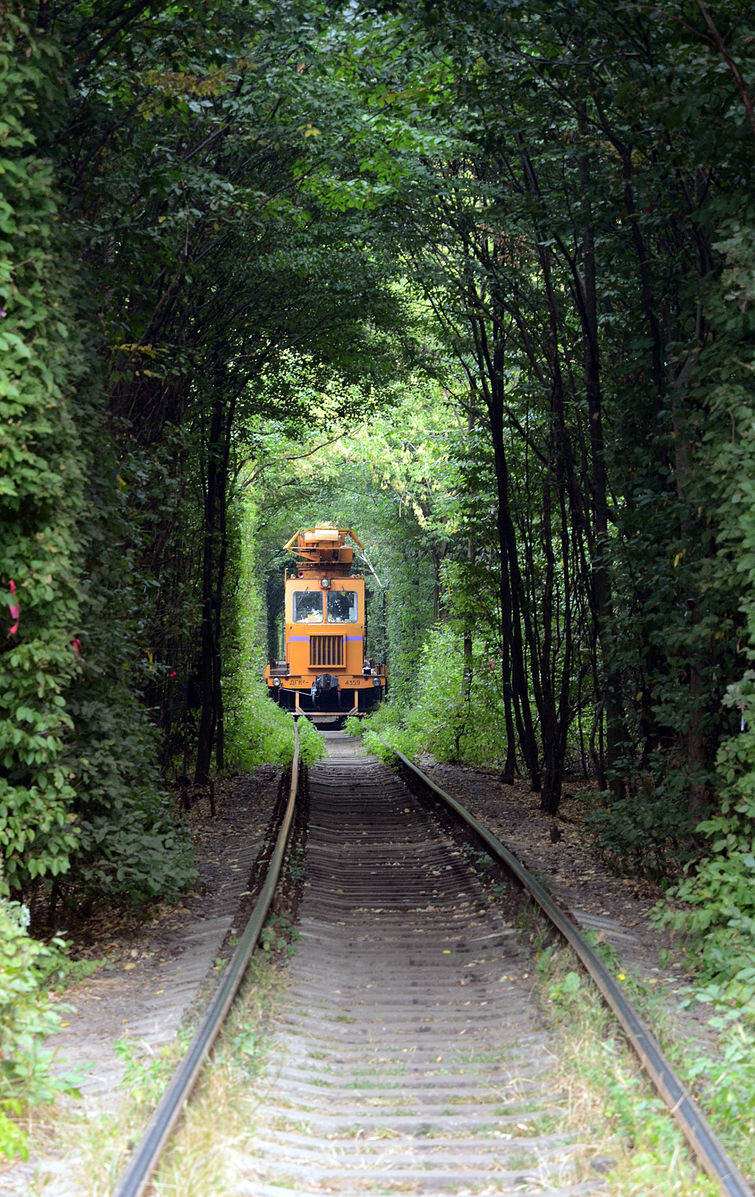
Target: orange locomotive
{"points": [[325, 670]]}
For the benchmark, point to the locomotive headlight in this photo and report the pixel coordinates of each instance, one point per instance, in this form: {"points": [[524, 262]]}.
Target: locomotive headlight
{"points": [[276, 681], [325, 583], [376, 681]]}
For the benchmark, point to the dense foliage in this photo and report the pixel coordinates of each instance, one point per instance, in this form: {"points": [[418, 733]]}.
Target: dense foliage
{"points": [[587, 260], [41, 484], [495, 260], [81, 805]]}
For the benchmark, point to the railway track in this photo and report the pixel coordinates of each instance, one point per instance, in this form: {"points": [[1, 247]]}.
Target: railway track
{"points": [[408, 1055]]}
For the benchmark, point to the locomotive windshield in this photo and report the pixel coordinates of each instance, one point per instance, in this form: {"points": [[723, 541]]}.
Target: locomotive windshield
{"points": [[342, 606], [307, 606]]}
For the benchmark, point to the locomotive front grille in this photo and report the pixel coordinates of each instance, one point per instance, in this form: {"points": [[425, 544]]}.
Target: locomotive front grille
{"points": [[326, 652]]}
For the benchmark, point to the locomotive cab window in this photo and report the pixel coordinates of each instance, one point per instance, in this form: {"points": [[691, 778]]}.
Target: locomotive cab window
{"points": [[307, 606], [342, 606]]}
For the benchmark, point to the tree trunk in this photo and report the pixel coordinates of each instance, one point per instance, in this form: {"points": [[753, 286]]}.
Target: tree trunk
{"points": [[209, 649], [511, 598]]}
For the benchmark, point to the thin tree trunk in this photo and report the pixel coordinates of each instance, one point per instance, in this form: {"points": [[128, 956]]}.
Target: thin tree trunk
{"points": [[208, 655], [511, 596]]}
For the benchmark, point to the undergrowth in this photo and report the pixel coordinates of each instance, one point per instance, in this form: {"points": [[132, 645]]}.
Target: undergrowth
{"points": [[611, 1103], [29, 971], [712, 908], [442, 719], [260, 731], [197, 1161], [642, 836], [722, 1081], [725, 1083]]}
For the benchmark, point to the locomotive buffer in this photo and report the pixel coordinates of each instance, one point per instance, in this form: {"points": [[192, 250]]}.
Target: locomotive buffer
{"points": [[325, 672]]}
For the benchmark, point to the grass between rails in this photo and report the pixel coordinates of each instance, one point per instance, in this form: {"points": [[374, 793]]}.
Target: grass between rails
{"points": [[640, 1146]]}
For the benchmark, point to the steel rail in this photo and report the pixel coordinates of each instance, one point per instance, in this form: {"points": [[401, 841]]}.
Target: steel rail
{"points": [[138, 1172], [692, 1122]]}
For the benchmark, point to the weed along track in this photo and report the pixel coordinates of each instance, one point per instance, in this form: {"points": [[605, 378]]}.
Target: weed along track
{"points": [[408, 1057]]}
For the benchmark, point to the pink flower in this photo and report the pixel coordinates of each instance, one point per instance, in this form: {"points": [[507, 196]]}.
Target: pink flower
{"points": [[14, 608]]}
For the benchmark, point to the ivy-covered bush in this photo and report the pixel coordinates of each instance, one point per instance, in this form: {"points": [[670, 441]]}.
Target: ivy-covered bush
{"points": [[80, 795], [40, 480]]}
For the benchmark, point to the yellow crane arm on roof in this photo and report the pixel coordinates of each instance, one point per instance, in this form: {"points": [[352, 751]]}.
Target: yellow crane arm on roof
{"points": [[343, 532]]}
